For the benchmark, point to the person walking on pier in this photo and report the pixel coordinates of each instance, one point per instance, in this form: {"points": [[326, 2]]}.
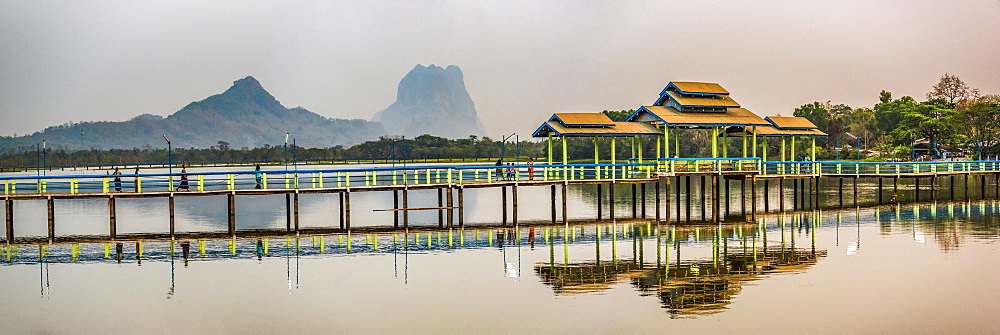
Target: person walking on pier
{"points": [[118, 180], [184, 179]]}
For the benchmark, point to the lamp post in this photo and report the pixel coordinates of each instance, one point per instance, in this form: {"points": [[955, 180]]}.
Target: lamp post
{"points": [[286, 153], [503, 144], [858, 146], [45, 166], [170, 156]]}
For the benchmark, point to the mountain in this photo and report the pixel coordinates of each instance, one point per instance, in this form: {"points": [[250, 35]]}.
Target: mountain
{"points": [[432, 100], [245, 115]]}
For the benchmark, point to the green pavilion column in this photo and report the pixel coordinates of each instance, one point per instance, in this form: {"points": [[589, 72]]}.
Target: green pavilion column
{"points": [[613, 154], [715, 142], [725, 144], [744, 142], [677, 142], [783, 156], [754, 144], [638, 148], [812, 149], [565, 155], [666, 141], [763, 157], [792, 156], [597, 154], [549, 142]]}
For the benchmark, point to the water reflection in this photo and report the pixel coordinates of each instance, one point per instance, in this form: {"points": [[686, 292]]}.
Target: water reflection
{"points": [[692, 270]]}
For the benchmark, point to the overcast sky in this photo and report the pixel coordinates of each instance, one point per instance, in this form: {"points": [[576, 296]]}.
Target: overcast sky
{"points": [[64, 61]]}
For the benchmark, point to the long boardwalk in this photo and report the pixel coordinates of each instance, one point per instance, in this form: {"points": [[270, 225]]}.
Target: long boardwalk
{"points": [[451, 180]]}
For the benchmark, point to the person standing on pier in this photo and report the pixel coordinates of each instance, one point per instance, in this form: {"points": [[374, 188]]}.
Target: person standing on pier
{"points": [[184, 179], [118, 180], [258, 176], [499, 169], [531, 170], [135, 181]]}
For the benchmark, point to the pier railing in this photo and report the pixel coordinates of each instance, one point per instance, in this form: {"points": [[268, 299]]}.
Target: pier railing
{"points": [[328, 178], [463, 174]]}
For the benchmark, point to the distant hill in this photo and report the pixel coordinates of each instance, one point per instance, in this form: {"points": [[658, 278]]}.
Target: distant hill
{"points": [[432, 100], [245, 115]]}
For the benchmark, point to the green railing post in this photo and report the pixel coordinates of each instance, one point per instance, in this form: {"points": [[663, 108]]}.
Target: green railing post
{"points": [[263, 180]]}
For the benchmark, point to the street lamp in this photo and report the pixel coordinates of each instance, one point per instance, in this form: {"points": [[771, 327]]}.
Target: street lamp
{"points": [[503, 144], [170, 155], [286, 153], [44, 156], [859, 144]]}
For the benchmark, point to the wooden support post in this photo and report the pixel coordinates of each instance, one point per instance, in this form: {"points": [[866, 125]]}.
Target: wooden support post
{"points": [[395, 206], [342, 214], [966, 184], [461, 206], [503, 206], [753, 198], [513, 200], [982, 186], [855, 191], [951, 185], [170, 208], [451, 211], [611, 200], [406, 207], [600, 206], [633, 201], [781, 194], [231, 211], [111, 210], [347, 209], [656, 198], [689, 195], [642, 199], [288, 212], [795, 194], [565, 213], [743, 195], [767, 202], [725, 187], [552, 197], [933, 191], [916, 189], [667, 198], [879, 191], [840, 191], [715, 198], [440, 210], [295, 210], [9, 205], [704, 196], [52, 218]]}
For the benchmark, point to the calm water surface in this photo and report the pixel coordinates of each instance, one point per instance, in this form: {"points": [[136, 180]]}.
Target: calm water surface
{"points": [[927, 268]]}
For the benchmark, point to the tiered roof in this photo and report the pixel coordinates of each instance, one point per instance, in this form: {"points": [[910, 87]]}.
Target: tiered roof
{"points": [[591, 124]]}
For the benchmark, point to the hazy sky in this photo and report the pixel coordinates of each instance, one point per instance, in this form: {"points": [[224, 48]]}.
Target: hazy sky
{"points": [[64, 61]]}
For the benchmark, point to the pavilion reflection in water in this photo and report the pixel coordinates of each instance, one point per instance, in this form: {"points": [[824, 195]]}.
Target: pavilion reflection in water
{"points": [[688, 288]]}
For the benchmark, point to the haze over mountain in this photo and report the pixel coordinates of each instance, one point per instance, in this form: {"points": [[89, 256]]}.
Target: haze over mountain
{"points": [[245, 115], [432, 100]]}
